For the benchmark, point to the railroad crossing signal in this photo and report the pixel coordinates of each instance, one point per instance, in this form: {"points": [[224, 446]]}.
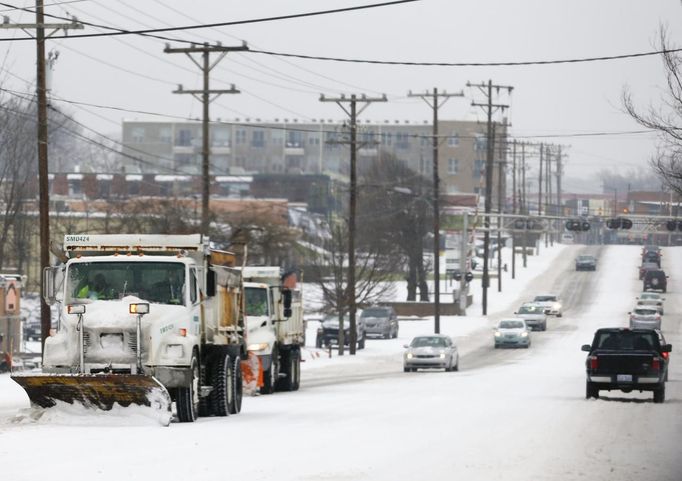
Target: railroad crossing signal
{"points": [[577, 225], [619, 223]]}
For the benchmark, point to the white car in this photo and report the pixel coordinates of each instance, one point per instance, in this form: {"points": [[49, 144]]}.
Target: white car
{"points": [[431, 351], [512, 332], [551, 303], [651, 299], [645, 318]]}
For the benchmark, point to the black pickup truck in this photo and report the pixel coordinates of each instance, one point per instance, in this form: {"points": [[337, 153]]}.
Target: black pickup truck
{"points": [[626, 360]]}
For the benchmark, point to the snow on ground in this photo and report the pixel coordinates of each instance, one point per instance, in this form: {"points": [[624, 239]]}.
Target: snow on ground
{"points": [[512, 415]]}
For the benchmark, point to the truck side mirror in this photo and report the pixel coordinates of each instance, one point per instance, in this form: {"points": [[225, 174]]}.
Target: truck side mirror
{"points": [[586, 348], [50, 284], [210, 282], [286, 299]]}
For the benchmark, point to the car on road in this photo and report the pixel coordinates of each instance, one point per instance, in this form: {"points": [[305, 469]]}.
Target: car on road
{"points": [[534, 314], [652, 257], [432, 351], [647, 266], [649, 299], [380, 321], [626, 360], [645, 318], [328, 332], [585, 263], [551, 303], [655, 280], [512, 332]]}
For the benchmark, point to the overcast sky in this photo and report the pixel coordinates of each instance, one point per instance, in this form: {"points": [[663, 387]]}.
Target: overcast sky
{"points": [[132, 72]]}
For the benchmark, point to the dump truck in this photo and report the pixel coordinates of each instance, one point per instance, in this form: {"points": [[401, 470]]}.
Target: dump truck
{"points": [[153, 320], [274, 320]]}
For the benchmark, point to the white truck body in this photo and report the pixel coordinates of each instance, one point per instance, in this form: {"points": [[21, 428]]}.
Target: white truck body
{"points": [[275, 337], [194, 323]]}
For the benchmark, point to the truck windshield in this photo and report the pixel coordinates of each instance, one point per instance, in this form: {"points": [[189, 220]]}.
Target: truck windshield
{"points": [[156, 282], [256, 301]]}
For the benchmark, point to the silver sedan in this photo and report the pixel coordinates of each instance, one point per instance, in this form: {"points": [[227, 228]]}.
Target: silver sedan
{"points": [[432, 351], [512, 332]]}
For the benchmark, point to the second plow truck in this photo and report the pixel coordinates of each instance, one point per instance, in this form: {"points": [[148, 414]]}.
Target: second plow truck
{"points": [[147, 320], [274, 320]]}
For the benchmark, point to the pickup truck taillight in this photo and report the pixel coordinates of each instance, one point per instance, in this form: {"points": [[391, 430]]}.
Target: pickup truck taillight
{"points": [[656, 364], [594, 362], [665, 355]]}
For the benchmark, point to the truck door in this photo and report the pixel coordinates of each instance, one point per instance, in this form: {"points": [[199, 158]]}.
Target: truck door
{"points": [[194, 302]]}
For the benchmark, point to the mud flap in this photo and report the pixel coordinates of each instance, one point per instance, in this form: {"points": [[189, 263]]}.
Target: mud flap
{"points": [[99, 391]]}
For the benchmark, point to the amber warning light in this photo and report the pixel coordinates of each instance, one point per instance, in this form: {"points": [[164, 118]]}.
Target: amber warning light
{"points": [[141, 308]]}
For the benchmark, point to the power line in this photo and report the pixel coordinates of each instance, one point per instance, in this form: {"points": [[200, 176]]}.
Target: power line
{"points": [[151, 32], [473, 64]]}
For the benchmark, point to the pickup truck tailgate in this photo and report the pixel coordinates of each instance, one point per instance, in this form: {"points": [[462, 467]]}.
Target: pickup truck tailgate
{"points": [[631, 363]]}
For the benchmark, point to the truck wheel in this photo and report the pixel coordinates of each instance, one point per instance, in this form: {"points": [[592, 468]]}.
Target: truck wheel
{"points": [[235, 403], [205, 402], [296, 354], [286, 383], [659, 395], [271, 376], [318, 342], [221, 395], [361, 342], [187, 402], [591, 391]]}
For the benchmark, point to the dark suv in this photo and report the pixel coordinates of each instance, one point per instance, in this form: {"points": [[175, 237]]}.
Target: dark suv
{"points": [[655, 280]]}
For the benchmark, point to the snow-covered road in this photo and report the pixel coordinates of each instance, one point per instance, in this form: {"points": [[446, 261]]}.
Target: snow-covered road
{"points": [[508, 414]]}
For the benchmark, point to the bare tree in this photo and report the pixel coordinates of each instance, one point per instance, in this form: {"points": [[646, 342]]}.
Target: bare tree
{"points": [[665, 118], [397, 213]]}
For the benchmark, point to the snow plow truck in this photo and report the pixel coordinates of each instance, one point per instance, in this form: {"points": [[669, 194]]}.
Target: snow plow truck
{"points": [[145, 320]]}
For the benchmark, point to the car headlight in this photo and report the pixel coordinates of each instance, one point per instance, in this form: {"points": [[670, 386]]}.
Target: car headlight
{"points": [[442, 355], [524, 334], [409, 355], [257, 347], [497, 334]]}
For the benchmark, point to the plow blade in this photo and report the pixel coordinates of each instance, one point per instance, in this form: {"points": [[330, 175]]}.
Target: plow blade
{"points": [[94, 390]]}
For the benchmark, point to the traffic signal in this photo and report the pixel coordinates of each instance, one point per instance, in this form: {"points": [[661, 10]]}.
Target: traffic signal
{"points": [[672, 225], [619, 223], [577, 225], [528, 224]]}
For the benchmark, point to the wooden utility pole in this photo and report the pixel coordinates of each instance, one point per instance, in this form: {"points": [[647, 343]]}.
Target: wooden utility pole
{"points": [[435, 101], [489, 108], [514, 176], [559, 168], [43, 183], [350, 288], [204, 96]]}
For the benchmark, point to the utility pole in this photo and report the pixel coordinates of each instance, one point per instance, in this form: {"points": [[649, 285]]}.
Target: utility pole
{"points": [[43, 184], [514, 176], [204, 96], [559, 169], [435, 103], [489, 108], [548, 194], [525, 202], [350, 288]]}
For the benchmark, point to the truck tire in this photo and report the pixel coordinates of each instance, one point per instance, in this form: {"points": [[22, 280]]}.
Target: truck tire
{"points": [[187, 402], [361, 342], [591, 391], [318, 342], [205, 402], [286, 383], [222, 385], [296, 353], [659, 395], [235, 403], [271, 375]]}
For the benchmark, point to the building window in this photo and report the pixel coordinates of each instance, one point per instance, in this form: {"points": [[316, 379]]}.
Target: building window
{"points": [[240, 136], [165, 135], [479, 168], [453, 140], [137, 134], [480, 143], [425, 140], [294, 139], [453, 166], [387, 138], [402, 140], [258, 138], [184, 138], [221, 137]]}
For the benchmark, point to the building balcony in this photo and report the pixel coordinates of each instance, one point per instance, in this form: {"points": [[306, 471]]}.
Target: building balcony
{"points": [[293, 148], [221, 150], [184, 149]]}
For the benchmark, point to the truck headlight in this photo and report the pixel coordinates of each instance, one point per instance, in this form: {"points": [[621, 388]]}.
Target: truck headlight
{"points": [[409, 355], [175, 350], [257, 347], [497, 334]]}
